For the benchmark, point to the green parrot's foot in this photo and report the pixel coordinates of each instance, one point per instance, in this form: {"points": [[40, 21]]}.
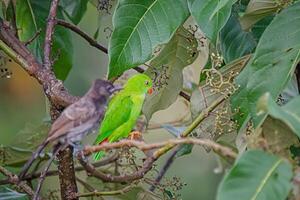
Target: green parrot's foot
{"points": [[135, 135]]}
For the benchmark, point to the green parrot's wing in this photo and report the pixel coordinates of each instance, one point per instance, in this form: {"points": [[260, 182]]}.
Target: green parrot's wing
{"points": [[118, 112]]}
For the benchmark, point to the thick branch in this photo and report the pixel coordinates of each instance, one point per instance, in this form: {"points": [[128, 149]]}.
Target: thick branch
{"points": [[54, 89], [49, 34], [66, 173], [13, 179]]}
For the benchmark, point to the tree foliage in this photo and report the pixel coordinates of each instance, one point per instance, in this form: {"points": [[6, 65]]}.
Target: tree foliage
{"points": [[240, 109]]}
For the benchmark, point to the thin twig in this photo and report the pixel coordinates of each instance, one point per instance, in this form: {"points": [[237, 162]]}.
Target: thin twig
{"points": [[107, 193], [49, 34], [13, 179], [84, 35], [85, 184], [185, 95], [43, 174], [100, 163], [165, 168], [88, 150], [33, 37]]}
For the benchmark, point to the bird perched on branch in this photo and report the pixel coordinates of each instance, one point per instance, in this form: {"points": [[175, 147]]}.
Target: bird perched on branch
{"points": [[123, 111], [77, 120]]}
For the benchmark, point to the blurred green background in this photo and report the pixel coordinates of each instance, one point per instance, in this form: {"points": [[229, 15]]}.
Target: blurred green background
{"points": [[22, 102]]}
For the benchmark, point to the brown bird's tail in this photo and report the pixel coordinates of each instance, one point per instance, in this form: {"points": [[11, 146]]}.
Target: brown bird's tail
{"points": [[31, 160]]}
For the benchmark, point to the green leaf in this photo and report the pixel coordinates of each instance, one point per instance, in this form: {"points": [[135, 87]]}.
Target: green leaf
{"points": [[31, 16], [257, 175], [289, 113], [211, 15], [261, 26], [257, 10], [10, 12], [137, 34], [96, 34], [235, 42], [185, 149], [178, 53], [74, 9], [221, 5], [271, 66], [7, 193]]}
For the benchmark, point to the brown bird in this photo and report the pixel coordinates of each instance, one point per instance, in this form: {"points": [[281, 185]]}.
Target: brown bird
{"points": [[76, 121]]}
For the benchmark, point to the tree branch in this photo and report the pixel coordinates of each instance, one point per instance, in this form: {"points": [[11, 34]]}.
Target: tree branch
{"points": [[225, 151], [49, 34], [165, 168], [107, 193], [33, 37], [53, 88], [66, 174], [84, 35], [13, 179]]}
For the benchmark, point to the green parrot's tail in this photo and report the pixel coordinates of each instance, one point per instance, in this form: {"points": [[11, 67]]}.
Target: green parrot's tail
{"points": [[99, 155]]}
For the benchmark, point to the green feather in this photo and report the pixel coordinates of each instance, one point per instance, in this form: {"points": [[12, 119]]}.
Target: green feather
{"points": [[123, 111]]}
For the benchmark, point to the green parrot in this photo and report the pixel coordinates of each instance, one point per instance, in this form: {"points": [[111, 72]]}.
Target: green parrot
{"points": [[123, 111]]}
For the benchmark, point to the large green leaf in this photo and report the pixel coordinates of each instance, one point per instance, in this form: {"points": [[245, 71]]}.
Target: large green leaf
{"points": [[289, 113], [211, 15], [235, 42], [257, 10], [272, 65], [166, 69], [257, 175], [139, 26], [74, 9], [31, 16]]}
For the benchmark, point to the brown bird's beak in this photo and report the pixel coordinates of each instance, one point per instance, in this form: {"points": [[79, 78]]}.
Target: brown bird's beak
{"points": [[116, 89], [150, 90]]}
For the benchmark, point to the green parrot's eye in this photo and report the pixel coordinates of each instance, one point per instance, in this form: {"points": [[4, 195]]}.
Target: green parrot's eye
{"points": [[147, 82]]}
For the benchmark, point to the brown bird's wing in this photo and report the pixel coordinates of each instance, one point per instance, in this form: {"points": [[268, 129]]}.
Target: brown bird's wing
{"points": [[73, 116]]}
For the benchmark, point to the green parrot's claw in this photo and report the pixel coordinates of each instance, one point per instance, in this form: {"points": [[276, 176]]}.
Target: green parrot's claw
{"points": [[135, 135]]}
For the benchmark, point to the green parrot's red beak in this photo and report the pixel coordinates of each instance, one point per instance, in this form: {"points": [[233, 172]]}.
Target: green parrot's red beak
{"points": [[150, 90]]}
